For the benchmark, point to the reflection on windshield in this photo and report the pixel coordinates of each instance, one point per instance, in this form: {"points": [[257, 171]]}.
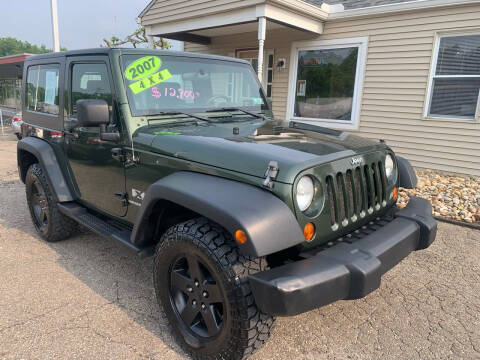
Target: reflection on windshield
{"points": [[160, 83]]}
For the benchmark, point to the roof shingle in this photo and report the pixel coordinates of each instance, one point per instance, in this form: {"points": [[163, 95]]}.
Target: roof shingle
{"points": [[355, 4]]}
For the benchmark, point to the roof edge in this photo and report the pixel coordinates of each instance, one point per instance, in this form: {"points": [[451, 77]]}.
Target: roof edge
{"points": [[327, 13], [149, 5], [16, 58], [16, 55], [399, 7], [302, 7]]}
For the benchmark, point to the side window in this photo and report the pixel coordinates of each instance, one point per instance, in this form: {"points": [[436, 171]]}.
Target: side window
{"points": [[42, 89], [90, 81]]}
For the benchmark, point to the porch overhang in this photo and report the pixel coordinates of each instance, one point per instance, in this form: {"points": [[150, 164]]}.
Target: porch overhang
{"points": [[191, 28], [11, 67]]}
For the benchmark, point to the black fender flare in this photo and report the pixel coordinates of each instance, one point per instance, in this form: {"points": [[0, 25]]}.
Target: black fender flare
{"points": [[406, 174], [268, 222], [48, 160]]}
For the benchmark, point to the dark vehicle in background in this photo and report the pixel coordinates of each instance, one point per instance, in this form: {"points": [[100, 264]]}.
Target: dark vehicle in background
{"points": [[178, 156]]}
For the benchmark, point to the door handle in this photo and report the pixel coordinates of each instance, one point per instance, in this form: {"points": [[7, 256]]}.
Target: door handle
{"points": [[117, 154], [73, 135], [123, 197]]}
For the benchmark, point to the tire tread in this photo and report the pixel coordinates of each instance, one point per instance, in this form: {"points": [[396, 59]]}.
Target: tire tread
{"points": [[61, 227], [253, 327]]}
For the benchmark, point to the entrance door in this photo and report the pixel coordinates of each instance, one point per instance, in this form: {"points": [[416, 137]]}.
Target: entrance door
{"points": [[100, 179], [251, 55]]}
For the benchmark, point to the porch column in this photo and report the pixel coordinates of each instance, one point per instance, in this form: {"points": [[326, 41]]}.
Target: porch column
{"points": [[262, 29], [150, 41]]}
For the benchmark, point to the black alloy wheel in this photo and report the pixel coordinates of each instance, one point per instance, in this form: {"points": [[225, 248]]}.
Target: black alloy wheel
{"points": [[196, 297], [49, 222], [39, 206]]}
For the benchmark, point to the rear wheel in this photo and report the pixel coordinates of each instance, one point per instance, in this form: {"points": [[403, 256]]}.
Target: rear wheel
{"points": [[49, 222], [201, 285]]}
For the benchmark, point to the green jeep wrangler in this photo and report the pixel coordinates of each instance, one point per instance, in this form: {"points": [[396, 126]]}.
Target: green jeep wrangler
{"points": [[177, 156]]}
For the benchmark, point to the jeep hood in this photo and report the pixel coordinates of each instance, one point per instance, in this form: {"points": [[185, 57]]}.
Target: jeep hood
{"points": [[248, 147]]}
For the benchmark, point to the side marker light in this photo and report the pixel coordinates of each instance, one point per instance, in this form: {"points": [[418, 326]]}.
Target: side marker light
{"points": [[241, 237], [309, 232]]}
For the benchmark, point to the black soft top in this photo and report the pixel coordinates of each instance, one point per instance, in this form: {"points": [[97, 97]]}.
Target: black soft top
{"points": [[128, 51]]}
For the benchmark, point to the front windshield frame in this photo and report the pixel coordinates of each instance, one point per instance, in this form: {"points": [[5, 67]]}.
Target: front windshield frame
{"points": [[264, 106]]}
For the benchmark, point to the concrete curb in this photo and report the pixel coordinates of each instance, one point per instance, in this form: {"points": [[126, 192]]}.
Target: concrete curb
{"points": [[475, 226]]}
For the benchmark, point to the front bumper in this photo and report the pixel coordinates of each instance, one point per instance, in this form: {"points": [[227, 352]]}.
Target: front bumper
{"points": [[348, 270]]}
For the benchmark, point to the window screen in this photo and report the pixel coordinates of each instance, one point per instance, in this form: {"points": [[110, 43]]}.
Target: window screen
{"points": [[456, 82], [42, 89], [90, 81]]}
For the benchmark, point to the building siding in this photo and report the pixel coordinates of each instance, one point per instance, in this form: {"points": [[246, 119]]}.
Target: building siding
{"points": [[396, 80], [171, 10]]}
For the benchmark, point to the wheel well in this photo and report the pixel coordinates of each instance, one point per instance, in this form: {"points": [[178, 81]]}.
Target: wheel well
{"points": [[164, 215], [25, 160]]}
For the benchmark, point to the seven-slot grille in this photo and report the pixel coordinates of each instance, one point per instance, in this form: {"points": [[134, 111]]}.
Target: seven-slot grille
{"points": [[355, 193]]}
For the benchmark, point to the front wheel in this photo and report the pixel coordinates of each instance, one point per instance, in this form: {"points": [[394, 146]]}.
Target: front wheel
{"points": [[201, 284]]}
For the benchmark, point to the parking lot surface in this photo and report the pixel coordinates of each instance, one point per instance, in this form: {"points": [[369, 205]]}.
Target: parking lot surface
{"points": [[91, 298]]}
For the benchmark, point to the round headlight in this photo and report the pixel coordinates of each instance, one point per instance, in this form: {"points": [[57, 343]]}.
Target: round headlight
{"points": [[305, 192], [389, 166]]}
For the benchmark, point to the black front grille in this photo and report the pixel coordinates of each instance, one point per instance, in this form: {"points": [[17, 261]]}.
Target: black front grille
{"points": [[356, 192]]}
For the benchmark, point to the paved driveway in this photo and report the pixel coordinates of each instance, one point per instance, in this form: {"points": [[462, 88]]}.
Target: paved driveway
{"points": [[91, 298]]}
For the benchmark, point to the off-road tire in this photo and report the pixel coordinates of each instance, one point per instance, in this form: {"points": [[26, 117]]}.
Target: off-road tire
{"points": [[246, 328], [58, 226]]}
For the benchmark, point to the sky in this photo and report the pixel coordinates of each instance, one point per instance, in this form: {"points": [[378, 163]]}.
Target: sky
{"points": [[82, 23]]}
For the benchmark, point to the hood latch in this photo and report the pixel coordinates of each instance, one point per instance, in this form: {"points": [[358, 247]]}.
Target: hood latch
{"points": [[271, 174]]}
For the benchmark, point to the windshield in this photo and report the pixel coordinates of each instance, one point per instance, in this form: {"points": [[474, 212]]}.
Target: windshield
{"points": [[162, 83]]}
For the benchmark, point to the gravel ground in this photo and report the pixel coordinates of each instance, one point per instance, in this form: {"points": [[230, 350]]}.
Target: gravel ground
{"points": [[452, 197], [91, 298]]}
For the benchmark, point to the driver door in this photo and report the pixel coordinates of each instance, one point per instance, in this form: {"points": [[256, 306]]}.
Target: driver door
{"points": [[99, 178]]}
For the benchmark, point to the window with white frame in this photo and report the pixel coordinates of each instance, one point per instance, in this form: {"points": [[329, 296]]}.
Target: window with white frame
{"points": [[455, 80], [327, 81], [251, 55], [268, 78]]}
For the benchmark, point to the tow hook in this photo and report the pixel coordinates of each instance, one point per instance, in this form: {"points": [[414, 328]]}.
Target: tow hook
{"points": [[271, 174]]}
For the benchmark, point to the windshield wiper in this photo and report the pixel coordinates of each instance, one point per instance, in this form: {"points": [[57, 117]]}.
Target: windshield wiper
{"points": [[227, 109], [186, 114]]}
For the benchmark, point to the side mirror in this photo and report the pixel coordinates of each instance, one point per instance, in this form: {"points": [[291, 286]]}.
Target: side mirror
{"points": [[92, 113]]}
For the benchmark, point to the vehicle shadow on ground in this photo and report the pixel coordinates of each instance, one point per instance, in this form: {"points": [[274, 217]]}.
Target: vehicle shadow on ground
{"points": [[108, 268], [118, 275]]}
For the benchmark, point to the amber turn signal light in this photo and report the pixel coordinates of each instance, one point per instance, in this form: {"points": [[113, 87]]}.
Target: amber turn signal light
{"points": [[395, 193], [309, 231], [241, 237]]}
